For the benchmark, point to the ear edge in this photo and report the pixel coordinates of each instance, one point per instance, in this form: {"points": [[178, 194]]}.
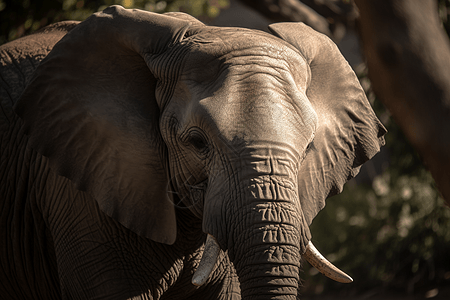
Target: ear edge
{"points": [[365, 135]]}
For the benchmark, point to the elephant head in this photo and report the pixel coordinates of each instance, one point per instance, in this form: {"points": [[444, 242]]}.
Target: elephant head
{"points": [[251, 131]]}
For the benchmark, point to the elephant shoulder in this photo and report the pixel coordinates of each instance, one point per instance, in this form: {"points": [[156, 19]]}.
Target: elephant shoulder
{"points": [[19, 59]]}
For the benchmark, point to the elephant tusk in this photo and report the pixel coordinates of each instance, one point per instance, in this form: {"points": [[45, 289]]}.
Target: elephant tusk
{"points": [[325, 267], [208, 261]]}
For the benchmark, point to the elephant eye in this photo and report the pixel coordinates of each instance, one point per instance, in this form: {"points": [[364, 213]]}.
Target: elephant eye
{"points": [[198, 140], [310, 147]]}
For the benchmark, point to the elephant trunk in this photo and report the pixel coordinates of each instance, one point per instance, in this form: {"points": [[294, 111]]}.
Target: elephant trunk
{"points": [[265, 247], [261, 225], [255, 214]]}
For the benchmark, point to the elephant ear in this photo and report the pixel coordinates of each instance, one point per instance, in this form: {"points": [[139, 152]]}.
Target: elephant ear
{"points": [[91, 109], [348, 132]]}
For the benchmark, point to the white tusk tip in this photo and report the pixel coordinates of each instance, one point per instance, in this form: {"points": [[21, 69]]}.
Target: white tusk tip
{"points": [[325, 267], [197, 281]]}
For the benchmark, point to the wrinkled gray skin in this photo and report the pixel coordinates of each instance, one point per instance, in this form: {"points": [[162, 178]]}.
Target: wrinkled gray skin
{"points": [[247, 133]]}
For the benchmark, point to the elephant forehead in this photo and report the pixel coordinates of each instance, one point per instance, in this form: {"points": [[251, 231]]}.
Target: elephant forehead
{"points": [[263, 112], [247, 86], [214, 53], [255, 108]]}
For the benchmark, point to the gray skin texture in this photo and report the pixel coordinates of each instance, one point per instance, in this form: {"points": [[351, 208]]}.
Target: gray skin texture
{"points": [[136, 134]]}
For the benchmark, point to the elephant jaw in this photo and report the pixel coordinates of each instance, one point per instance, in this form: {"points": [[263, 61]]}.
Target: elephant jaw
{"points": [[312, 255]]}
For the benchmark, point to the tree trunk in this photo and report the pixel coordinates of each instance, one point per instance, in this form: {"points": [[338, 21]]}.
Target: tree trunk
{"points": [[408, 56]]}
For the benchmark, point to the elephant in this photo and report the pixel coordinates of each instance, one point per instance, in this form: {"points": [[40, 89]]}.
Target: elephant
{"points": [[151, 156]]}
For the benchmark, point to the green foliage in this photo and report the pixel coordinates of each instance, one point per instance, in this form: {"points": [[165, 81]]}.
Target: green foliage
{"points": [[23, 17], [394, 233]]}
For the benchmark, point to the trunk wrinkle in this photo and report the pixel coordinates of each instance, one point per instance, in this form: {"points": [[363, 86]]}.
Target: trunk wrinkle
{"points": [[264, 232]]}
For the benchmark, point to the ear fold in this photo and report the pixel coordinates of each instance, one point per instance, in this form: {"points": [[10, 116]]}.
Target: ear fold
{"points": [[91, 109], [348, 132]]}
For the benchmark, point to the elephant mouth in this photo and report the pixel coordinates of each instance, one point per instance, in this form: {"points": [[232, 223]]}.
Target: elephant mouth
{"points": [[312, 255]]}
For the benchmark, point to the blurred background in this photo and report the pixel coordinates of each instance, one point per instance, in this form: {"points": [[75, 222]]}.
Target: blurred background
{"points": [[389, 229]]}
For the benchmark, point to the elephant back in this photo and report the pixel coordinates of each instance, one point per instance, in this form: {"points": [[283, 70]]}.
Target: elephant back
{"points": [[19, 59]]}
